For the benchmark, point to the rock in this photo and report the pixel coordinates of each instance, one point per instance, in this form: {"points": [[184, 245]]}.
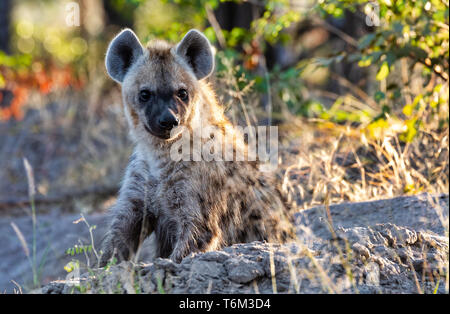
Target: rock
{"points": [[207, 269], [361, 250], [243, 270], [372, 274], [387, 246]]}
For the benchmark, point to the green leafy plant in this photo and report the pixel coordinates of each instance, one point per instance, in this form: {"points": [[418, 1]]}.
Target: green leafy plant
{"points": [[411, 38]]}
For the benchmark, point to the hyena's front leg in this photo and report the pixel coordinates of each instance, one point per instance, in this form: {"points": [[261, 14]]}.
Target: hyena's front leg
{"points": [[132, 216], [185, 243], [194, 235], [130, 225]]}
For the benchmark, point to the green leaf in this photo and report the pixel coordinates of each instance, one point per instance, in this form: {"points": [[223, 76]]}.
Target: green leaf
{"points": [[411, 131], [383, 72], [379, 96], [365, 61], [408, 110], [366, 41]]}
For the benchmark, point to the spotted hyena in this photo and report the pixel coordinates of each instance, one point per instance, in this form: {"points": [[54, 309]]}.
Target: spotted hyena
{"points": [[190, 206]]}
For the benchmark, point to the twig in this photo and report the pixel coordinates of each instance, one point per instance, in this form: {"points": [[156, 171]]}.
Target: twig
{"points": [[215, 25], [442, 74], [355, 89], [347, 38]]}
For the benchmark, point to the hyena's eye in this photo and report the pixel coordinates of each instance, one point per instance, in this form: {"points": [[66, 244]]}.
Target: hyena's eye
{"points": [[183, 94], [144, 95]]}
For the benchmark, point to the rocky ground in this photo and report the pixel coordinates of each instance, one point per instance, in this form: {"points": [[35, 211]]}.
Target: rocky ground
{"points": [[397, 245]]}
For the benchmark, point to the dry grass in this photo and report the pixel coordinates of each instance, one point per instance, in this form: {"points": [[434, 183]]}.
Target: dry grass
{"points": [[325, 160]]}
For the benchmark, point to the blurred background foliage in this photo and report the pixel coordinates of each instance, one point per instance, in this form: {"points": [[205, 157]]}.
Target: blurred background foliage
{"points": [[375, 69], [344, 61]]}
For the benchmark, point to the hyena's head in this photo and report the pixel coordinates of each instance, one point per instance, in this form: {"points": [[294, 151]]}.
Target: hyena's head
{"points": [[159, 82]]}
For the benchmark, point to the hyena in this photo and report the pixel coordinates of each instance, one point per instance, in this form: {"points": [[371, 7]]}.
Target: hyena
{"points": [[190, 206]]}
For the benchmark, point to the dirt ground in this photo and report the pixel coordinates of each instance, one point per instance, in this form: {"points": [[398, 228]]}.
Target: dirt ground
{"points": [[397, 245]]}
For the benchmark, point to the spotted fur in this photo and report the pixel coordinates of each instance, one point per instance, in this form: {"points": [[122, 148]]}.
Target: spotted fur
{"points": [[191, 206]]}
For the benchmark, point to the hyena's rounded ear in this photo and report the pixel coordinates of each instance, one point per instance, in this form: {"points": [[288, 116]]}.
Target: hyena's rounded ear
{"points": [[196, 50], [122, 52]]}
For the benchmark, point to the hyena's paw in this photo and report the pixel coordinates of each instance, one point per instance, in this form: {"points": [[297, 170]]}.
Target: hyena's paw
{"points": [[107, 251], [113, 247], [181, 251], [177, 256]]}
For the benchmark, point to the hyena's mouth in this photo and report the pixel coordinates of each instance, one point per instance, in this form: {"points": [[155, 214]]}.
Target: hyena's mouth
{"points": [[165, 135]]}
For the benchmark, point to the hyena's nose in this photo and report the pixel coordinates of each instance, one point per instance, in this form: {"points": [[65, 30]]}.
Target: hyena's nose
{"points": [[168, 121]]}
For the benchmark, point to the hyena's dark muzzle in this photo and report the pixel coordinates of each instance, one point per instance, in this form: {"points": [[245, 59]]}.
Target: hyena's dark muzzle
{"points": [[168, 120], [162, 116]]}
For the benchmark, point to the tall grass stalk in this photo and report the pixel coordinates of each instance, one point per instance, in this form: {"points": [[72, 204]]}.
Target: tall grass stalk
{"points": [[31, 193]]}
